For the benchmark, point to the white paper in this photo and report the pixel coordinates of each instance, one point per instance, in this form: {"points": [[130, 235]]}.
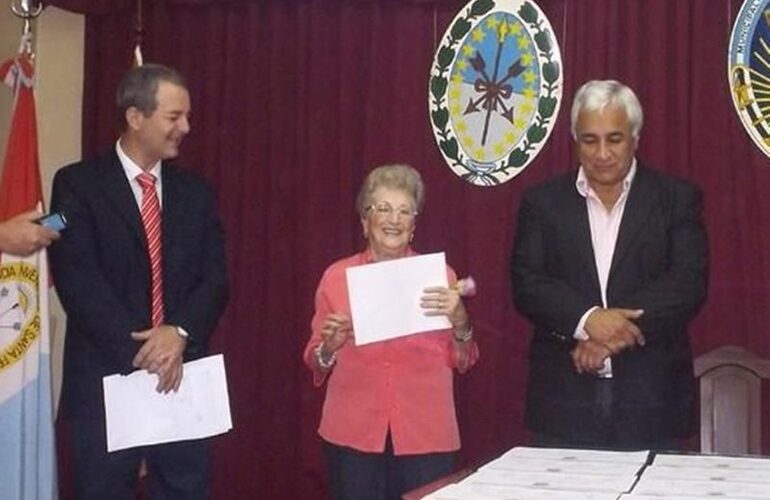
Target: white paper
{"points": [[566, 454], [650, 484], [607, 468], [711, 473], [616, 484], [631, 496], [526, 473], [495, 492], [137, 415], [711, 461], [385, 297]]}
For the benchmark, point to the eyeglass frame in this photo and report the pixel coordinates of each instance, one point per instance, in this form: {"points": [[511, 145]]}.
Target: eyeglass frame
{"points": [[386, 210]]}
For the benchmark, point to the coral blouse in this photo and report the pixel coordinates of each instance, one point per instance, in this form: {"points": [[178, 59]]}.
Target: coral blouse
{"points": [[403, 384]]}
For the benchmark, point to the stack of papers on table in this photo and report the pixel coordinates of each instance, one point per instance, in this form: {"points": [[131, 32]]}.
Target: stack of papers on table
{"points": [[704, 476], [537, 473]]}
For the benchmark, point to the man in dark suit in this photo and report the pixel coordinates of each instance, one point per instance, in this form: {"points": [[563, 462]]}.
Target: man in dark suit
{"points": [[610, 263], [141, 274]]}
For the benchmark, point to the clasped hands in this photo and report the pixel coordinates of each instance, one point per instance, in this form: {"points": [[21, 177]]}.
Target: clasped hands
{"points": [[610, 331], [161, 354]]}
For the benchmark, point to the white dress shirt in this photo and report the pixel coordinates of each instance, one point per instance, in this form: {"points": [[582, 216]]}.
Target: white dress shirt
{"points": [[132, 171]]}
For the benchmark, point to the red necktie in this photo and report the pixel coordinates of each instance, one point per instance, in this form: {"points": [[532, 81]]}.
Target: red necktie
{"points": [[151, 222]]}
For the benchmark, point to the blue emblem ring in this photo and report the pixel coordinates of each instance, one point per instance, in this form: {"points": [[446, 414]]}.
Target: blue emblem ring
{"points": [[749, 70]]}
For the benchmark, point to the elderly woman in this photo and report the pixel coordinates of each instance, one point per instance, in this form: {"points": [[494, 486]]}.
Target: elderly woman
{"points": [[388, 420]]}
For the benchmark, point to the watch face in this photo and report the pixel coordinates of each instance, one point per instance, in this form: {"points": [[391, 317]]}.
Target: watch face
{"points": [[19, 313]]}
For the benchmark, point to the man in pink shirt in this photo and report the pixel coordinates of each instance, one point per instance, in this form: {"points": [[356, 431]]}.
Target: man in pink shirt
{"points": [[610, 263]]}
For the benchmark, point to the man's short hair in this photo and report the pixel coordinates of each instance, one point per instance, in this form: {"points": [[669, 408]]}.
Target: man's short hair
{"points": [[139, 87], [596, 95]]}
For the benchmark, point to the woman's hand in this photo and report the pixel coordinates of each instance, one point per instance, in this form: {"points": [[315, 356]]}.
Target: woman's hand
{"points": [[443, 301], [335, 331]]}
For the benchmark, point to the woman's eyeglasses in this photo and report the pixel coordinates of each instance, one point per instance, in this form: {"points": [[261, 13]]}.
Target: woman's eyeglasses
{"points": [[384, 210]]}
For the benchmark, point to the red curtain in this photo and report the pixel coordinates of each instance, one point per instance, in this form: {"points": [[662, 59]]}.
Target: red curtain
{"points": [[294, 101]]}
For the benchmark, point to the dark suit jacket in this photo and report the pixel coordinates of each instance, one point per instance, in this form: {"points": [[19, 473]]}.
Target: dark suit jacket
{"points": [[660, 265], [101, 271]]}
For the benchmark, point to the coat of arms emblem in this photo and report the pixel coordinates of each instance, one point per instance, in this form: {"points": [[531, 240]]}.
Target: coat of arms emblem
{"points": [[749, 70], [495, 89]]}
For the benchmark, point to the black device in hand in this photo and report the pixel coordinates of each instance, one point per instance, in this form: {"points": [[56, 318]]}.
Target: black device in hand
{"points": [[55, 221]]}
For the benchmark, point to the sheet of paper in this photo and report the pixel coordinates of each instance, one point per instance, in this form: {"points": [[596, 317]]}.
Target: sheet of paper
{"points": [[632, 496], [495, 492], [711, 473], [715, 461], [611, 483], [385, 297], [652, 484], [516, 463], [137, 415], [564, 454]]}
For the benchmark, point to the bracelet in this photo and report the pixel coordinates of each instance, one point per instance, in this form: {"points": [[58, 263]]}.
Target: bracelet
{"points": [[465, 337], [324, 362]]}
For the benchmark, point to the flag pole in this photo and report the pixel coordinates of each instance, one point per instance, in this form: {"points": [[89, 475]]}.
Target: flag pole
{"points": [[27, 10], [138, 34]]}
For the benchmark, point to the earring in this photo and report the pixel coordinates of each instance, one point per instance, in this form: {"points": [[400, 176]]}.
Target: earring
{"points": [[411, 237]]}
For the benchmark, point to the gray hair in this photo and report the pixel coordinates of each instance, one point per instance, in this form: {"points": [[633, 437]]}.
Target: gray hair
{"points": [[598, 94], [401, 177], [139, 87]]}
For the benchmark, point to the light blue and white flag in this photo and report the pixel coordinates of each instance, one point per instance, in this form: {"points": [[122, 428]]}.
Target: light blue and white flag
{"points": [[27, 451]]}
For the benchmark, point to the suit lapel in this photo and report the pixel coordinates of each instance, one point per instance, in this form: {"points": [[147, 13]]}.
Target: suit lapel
{"points": [[118, 192], [638, 206], [173, 210], [579, 230]]}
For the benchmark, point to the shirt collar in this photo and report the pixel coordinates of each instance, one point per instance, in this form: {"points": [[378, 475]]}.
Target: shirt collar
{"points": [[582, 186], [131, 169]]}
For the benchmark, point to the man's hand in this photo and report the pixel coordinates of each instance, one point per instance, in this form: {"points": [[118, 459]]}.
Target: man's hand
{"points": [[614, 329], [161, 354], [588, 356], [21, 235]]}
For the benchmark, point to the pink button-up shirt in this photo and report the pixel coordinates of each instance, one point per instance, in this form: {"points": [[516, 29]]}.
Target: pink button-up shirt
{"points": [[605, 225], [403, 384]]}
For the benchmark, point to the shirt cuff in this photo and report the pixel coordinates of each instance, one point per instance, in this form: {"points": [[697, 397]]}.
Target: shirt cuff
{"points": [[580, 332], [182, 332]]}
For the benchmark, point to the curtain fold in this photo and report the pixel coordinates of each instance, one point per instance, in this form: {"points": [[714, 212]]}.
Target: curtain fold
{"points": [[295, 101]]}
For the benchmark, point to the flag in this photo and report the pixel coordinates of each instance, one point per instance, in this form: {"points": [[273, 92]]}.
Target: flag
{"points": [[27, 453]]}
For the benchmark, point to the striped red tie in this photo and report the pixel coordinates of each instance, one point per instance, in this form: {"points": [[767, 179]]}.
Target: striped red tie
{"points": [[152, 229]]}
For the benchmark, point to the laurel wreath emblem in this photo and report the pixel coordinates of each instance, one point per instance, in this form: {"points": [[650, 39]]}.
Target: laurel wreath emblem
{"points": [[547, 105]]}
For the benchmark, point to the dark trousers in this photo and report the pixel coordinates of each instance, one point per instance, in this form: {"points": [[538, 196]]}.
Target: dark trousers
{"points": [[175, 471], [355, 475], [608, 436]]}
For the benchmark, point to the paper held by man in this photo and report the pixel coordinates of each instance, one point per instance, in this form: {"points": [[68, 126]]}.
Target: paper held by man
{"points": [[137, 415], [385, 297]]}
